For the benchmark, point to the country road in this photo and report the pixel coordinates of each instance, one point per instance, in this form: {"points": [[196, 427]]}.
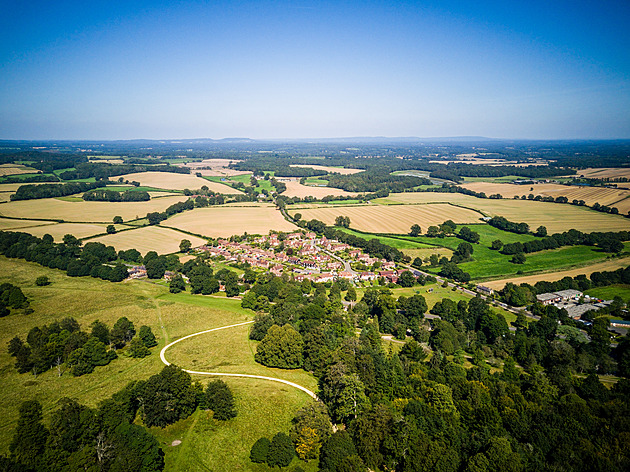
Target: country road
{"points": [[273, 379]]}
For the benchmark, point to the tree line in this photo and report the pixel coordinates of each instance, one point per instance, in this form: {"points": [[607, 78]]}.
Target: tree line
{"points": [[104, 195], [31, 192], [93, 259]]}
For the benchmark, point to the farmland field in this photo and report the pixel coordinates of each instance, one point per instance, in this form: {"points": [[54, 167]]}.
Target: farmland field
{"points": [[556, 217], [59, 230], [170, 180], [604, 196], [13, 169], [605, 173], [552, 276], [148, 238], [296, 189], [7, 224], [82, 211], [224, 221], [410, 248], [331, 170], [392, 219]]}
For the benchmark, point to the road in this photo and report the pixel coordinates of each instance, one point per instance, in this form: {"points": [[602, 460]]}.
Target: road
{"points": [[473, 293], [346, 264], [223, 374]]}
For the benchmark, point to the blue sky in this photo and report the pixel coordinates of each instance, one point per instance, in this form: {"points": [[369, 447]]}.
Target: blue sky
{"points": [[289, 69]]}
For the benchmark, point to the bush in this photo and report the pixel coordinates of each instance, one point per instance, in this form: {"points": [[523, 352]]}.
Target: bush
{"points": [[281, 451], [137, 348], [260, 450], [42, 281], [147, 336]]}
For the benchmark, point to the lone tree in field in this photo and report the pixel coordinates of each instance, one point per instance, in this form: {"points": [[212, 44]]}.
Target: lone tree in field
{"points": [[281, 347], [118, 220], [218, 398], [185, 245], [415, 230], [42, 280], [111, 229]]}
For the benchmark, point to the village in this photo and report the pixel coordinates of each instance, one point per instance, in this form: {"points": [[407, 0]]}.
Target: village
{"points": [[304, 256]]}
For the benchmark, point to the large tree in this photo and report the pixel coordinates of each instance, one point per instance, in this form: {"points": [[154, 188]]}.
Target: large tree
{"points": [[218, 398], [281, 347], [29, 440], [168, 397]]}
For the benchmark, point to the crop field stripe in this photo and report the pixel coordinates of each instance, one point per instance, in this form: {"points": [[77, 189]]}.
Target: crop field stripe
{"points": [[261, 377]]}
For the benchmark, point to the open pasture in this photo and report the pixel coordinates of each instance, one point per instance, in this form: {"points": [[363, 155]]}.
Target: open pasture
{"points": [[394, 218], [296, 189], [172, 181], [148, 238], [85, 212], [607, 265], [619, 198], [331, 170], [14, 169], [224, 221], [554, 216]]}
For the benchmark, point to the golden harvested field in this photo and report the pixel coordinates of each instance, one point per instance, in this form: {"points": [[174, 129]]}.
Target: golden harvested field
{"points": [[171, 181], [215, 168], [337, 170], [223, 221], [59, 230], [296, 189], [556, 217], [7, 224], [553, 276], [605, 173], [604, 196], [107, 161], [14, 169], [392, 218], [85, 212], [149, 238], [11, 187]]}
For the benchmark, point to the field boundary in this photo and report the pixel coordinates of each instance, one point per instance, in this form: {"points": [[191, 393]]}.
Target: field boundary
{"points": [[250, 376]]}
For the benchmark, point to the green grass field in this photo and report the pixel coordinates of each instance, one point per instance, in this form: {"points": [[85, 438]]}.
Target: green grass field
{"points": [[206, 444], [264, 409], [489, 264], [610, 292]]}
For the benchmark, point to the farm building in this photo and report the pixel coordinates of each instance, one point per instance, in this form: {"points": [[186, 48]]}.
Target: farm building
{"points": [[569, 294], [548, 298]]}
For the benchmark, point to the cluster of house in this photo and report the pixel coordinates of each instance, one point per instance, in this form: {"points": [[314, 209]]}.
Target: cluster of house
{"points": [[304, 255], [570, 301]]}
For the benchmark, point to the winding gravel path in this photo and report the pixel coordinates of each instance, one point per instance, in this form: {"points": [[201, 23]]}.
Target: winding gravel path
{"points": [[273, 379]]}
